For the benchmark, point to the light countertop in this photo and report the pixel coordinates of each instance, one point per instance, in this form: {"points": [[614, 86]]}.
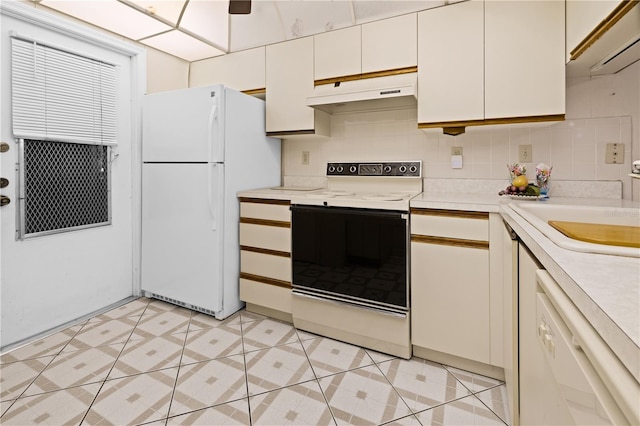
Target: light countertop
{"points": [[605, 288]]}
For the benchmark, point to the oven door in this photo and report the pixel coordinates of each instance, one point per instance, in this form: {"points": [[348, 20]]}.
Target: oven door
{"points": [[353, 255]]}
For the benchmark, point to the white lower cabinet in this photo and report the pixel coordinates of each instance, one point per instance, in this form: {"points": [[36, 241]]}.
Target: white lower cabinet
{"points": [[265, 256], [451, 292]]}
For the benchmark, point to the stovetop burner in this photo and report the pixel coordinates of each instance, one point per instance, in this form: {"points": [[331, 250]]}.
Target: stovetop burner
{"points": [[387, 185]]}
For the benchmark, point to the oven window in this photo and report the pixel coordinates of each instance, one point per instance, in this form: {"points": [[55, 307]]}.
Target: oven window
{"points": [[359, 255]]}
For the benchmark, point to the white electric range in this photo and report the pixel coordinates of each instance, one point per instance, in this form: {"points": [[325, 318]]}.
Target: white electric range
{"points": [[350, 254]]}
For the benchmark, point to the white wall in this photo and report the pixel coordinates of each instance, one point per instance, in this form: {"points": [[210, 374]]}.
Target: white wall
{"points": [[600, 110]]}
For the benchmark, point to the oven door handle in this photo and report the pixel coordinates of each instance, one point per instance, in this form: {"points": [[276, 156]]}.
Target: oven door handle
{"points": [[296, 292], [349, 211]]}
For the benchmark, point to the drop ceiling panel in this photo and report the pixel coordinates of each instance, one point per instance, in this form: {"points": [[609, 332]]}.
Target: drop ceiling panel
{"points": [[183, 46], [165, 9], [209, 20], [111, 15]]}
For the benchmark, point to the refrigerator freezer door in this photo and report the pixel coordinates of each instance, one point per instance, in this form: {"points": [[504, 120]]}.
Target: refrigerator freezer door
{"points": [[179, 126], [181, 254]]}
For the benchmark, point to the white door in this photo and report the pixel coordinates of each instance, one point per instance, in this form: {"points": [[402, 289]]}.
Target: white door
{"points": [[51, 280]]}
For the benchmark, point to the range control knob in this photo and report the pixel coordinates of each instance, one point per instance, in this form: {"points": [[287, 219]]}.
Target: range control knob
{"points": [[332, 169], [340, 169], [413, 169], [387, 169], [403, 169], [353, 169]]}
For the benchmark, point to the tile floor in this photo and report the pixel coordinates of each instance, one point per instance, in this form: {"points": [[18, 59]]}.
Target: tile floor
{"points": [[149, 362]]}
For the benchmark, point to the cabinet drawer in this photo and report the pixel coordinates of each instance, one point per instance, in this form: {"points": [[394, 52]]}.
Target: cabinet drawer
{"points": [[265, 209], [269, 296], [441, 223], [264, 236], [264, 264]]}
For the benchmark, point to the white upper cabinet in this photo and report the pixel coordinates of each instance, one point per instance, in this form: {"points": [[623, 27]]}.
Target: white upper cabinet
{"points": [[379, 46], [243, 71], [491, 62], [583, 16], [390, 44], [524, 59], [289, 81], [451, 63], [337, 53]]}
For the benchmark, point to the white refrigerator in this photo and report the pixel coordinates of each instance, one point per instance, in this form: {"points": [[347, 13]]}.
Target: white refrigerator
{"points": [[200, 147]]}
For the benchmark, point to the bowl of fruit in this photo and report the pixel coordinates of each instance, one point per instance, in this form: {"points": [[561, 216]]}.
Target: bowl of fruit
{"points": [[520, 188]]}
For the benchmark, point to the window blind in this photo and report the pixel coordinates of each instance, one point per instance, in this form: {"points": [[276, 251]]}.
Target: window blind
{"points": [[61, 96]]}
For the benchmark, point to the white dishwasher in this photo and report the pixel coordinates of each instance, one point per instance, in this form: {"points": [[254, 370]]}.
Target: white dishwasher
{"points": [[575, 368]]}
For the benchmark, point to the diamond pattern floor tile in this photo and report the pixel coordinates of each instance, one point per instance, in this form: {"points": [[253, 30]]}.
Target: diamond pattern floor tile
{"points": [[363, 396], [133, 400], [210, 343], [465, 411], [302, 404], [200, 321], [422, 384], [209, 383], [94, 334], [17, 376], [497, 401], [66, 406], [411, 420], [157, 353], [46, 346], [131, 309], [277, 367], [232, 413], [153, 363], [474, 382], [328, 356], [164, 322], [266, 333], [76, 368]]}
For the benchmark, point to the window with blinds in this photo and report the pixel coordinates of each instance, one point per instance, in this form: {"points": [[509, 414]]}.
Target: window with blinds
{"points": [[64, 115], [61, 96]]}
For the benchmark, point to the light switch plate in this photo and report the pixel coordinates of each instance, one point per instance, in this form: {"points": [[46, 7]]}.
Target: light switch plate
{"points": [[456, 150], [456, 161], [526, 154]]}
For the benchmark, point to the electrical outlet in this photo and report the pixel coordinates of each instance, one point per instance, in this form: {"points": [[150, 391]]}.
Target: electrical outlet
{"points": [[305, 158], [614, 153], [456, 150], [526, 154]]}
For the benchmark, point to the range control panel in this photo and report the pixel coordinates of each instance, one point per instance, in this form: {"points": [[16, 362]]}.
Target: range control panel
{"points": [[385, 169]]}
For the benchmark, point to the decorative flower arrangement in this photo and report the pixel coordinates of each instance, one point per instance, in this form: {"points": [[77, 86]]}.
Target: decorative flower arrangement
{"points": [[543, 173], [516, 169]]}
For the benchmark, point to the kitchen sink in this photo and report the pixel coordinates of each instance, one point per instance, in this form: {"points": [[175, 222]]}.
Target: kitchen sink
{"points": [[540, 214]]}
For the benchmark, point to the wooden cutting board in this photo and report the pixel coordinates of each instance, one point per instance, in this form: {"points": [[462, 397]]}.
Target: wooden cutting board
{"points": [[612, 235]]}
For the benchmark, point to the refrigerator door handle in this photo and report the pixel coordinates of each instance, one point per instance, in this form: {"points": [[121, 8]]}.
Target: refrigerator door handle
{"points": [[211, 142], [215, 192]]}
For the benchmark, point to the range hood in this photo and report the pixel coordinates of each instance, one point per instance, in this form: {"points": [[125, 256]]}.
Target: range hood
{"points": [[370, 94], [615, 49]]}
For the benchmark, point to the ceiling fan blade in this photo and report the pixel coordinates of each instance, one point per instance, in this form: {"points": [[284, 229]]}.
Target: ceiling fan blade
{"points": [[239, 7]]}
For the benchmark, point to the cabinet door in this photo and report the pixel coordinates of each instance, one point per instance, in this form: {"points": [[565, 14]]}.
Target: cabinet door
{"points": [[337, 53], [243, 71], [450, 300], [524, 58], [582, 17], [289, 80], [390, 44], [451, 63]]}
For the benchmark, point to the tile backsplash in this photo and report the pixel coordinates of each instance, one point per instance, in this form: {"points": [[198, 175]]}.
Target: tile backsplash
{"points": [[575, 148], [600, 110]]}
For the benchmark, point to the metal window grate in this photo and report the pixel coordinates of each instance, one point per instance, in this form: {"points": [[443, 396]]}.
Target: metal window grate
{"points": [[65, 186]]}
